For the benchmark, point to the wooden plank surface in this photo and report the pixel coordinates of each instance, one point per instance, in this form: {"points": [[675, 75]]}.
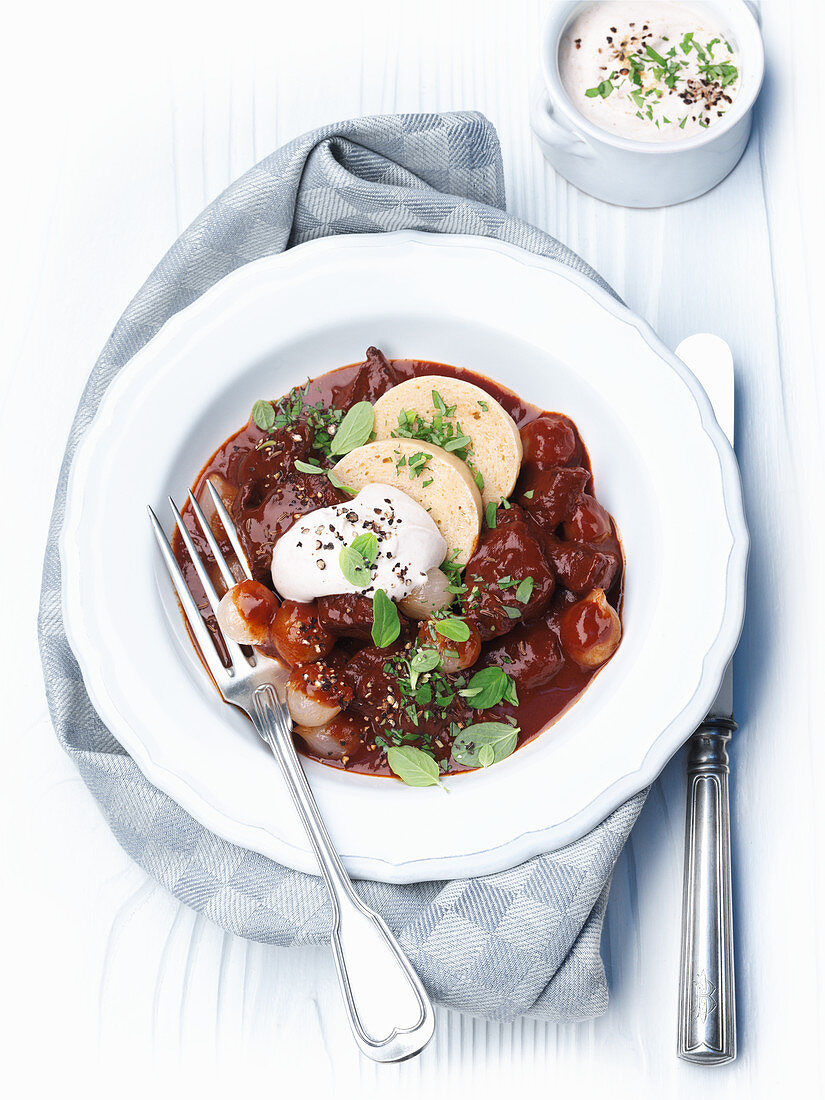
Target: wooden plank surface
{"points": [[123, 124]]}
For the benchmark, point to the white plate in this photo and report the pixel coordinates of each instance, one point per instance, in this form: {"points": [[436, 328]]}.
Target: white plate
{"points": [[662, 467]]}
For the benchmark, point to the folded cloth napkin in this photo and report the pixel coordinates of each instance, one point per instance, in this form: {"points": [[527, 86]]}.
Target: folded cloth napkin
{"points": [[521, 941]]}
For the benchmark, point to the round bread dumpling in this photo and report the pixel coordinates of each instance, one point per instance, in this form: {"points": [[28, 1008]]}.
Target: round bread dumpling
{"points": [[496, 442], [437, 480]]}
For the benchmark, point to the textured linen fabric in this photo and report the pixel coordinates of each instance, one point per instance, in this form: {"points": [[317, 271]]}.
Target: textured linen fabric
{"points": [[521, 941]]}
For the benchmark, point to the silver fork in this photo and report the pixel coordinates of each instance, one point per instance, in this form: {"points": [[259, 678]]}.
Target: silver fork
{"points": [[389, 1012]]}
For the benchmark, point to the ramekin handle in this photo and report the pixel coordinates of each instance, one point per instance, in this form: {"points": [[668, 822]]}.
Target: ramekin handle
{"points": [[549, 130]]}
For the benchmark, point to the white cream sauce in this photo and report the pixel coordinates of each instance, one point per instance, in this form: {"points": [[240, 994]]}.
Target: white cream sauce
{"points": [[604, 52], [306, 559]]}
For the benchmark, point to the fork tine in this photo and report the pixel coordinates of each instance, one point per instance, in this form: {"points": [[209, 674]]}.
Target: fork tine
{"points": [[209, 535], [190, 608], [203, 575], [235, 652], [229, 527]]}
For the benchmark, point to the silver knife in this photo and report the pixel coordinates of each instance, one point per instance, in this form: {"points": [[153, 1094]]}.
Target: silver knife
{"points": [[707, 997]]}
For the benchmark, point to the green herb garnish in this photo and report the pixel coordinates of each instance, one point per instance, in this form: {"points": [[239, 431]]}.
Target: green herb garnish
{"points": [[423, 660], [460, 443], [263, 413], [486, 756], [440, 431], [488, 687], [354, 567], [501, 738], [647, 76], [354, 430], [366, 545], [725, 73], [524, 590], [308, 467], [414, 767], [334, 480], [604, 89], [456, 630], [490, 514], [386, 625], [294, 409], [452, 570], [417, 463], [657, 57], [337, 483]]}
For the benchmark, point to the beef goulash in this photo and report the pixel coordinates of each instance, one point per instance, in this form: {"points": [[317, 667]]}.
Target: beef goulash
{"points": [[429, 560]]}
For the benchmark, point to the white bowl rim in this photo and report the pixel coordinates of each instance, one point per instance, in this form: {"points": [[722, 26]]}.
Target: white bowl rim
{"points": [[558, 17], [524, 846]]}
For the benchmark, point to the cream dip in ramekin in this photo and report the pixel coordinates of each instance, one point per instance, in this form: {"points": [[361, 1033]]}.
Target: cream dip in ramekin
{"points": [[637, 171]]}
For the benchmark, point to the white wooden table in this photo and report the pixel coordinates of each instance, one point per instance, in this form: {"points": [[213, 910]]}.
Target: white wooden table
{"points": [[121, 124]]}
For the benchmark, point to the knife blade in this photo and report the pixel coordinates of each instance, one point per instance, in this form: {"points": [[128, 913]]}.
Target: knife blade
{"points": [[709, 357], [707, 1010]]}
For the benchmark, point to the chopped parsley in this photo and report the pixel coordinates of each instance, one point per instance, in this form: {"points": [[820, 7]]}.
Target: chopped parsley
{"points": [[294, 409], [427, 691], [692, 72], [604, 89], [441, 430], [525, 590], [452, 570]]}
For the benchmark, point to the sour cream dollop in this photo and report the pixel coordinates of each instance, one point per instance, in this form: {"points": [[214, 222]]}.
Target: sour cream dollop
{"points": [[306, 559]]}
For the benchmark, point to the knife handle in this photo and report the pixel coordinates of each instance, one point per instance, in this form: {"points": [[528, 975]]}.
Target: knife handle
{"points": [[707, 1010]]}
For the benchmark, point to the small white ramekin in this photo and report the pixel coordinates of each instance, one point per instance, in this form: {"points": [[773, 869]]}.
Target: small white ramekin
{"points": [[636, 173]]}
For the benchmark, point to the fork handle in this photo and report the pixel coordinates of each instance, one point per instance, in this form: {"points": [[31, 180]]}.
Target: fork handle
{"points": [[389, 1012], [707, 1013]]}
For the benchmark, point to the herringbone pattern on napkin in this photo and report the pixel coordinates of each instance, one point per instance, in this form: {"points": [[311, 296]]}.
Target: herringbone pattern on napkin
{"points": [[524, 940]]}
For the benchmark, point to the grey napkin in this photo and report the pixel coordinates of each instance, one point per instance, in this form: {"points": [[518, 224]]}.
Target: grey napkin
{"points": [[521, 941]]}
